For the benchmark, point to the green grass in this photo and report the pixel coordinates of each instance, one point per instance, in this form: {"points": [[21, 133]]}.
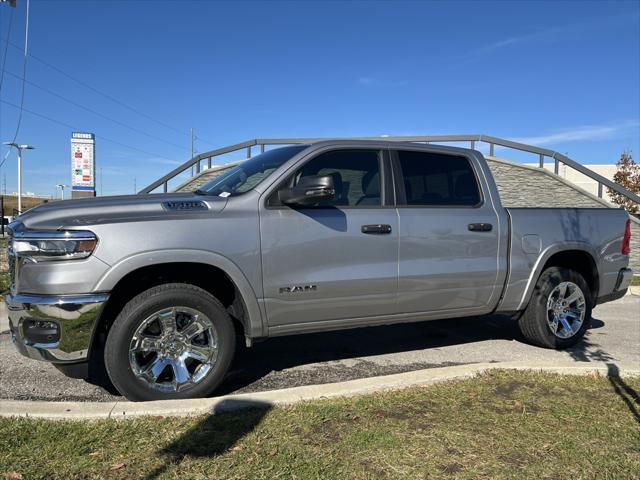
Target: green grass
{"points": [[499, 425], [635, 282]]}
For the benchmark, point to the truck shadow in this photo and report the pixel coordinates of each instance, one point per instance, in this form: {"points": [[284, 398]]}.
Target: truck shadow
{"points": [[628, 395], [588, 352], [213, 435], [254, 364]]}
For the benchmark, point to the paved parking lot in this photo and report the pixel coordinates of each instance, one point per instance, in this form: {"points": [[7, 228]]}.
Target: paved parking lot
{"points": [[331, 357]]}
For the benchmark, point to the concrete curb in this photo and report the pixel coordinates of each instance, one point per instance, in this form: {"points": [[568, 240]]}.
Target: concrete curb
{"points": [[202, 406]]}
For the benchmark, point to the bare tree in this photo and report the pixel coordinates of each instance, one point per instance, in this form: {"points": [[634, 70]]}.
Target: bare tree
{"points": [[627, 176]]}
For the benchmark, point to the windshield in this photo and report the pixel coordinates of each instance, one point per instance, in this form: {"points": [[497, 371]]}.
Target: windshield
{"points": [[250, 173]]}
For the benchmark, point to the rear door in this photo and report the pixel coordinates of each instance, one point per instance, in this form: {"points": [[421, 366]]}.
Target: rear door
{"points": [[337, 261], [449, 235]]}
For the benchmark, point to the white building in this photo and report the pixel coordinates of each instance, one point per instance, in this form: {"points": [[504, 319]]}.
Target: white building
{"points": [[582, 181]]}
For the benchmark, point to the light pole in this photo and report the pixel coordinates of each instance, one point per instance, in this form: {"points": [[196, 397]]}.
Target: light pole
{"points": [[19, 147], [62, 187]]}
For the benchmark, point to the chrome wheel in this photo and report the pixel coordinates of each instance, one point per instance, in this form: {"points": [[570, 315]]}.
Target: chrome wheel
{"points": [[173, 349], [566, 308]]}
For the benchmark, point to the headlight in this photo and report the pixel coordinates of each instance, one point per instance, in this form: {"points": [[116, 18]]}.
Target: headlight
{"points": [[54, 245]]}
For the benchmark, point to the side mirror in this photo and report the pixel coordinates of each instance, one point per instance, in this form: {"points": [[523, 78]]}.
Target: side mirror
{"points": [[309, 191]]}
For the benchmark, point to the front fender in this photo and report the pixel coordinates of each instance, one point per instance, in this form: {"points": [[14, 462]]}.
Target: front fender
{"points": [[255, 323]]}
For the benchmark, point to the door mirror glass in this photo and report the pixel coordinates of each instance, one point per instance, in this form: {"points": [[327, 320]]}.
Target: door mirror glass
{"points": [[309, 191]]}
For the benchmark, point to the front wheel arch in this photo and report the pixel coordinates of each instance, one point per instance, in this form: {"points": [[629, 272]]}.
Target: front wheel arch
{"points": [[137, 273], [254, 324]]}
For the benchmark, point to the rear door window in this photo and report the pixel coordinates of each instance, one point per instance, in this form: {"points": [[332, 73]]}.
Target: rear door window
{"points": [[435, 179]]}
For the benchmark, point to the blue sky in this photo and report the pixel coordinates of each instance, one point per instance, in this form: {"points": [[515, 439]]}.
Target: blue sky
{"points": [[564, 75]]}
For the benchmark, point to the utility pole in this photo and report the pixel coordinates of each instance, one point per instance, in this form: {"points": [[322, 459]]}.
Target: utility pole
{"points": [[135, 190], [19, 147], [193, 138], [101, 193], [192, 149], [4, 183]]}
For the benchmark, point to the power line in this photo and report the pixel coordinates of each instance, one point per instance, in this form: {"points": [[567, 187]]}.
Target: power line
{"points": [[24, 76], [6, 48], [4, 62], [95, 112], [73, 127], [103, 94]]}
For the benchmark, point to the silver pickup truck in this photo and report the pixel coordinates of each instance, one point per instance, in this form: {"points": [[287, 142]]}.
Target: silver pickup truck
{"points": [[304, 238]]}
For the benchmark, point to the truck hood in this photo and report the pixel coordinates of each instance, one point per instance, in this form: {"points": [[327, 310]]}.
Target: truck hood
{"points": [[123, 208]]}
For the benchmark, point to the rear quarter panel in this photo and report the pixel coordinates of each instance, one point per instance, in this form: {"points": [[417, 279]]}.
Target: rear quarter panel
{"points": [[539, 233]]}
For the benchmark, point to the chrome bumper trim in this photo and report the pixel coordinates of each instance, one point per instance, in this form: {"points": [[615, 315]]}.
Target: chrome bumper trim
{"points": [[76, 316], [624, 279]]}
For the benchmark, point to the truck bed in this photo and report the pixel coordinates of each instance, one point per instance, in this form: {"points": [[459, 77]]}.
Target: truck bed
{"points": [[536, 234]]}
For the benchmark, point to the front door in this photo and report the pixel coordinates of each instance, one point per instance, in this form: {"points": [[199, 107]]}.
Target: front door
{"points": [[332, 261]]}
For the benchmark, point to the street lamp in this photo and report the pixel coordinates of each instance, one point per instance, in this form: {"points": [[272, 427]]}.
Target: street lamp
{"points": [[19, 147], [62, 187]]}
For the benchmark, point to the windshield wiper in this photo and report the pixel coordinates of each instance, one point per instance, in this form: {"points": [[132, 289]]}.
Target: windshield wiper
{"points": [[200, 192]]}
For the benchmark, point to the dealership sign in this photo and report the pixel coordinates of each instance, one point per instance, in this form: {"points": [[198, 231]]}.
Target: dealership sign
{"points": [[83, 166]]}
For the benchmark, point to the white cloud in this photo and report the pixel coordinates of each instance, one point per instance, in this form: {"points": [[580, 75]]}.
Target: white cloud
{"points": [[376, 82], [163, 161], [553, 33], [113, 170], [507, 42], [582, 133]]}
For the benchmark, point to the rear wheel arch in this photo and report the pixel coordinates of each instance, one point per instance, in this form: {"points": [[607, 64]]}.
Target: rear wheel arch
{"points": [[578, 257], [559, 312], [579, 261]]}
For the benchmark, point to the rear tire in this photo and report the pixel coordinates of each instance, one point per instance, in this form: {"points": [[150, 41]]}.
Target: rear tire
{"points": [[172, 341], [559, 312]]}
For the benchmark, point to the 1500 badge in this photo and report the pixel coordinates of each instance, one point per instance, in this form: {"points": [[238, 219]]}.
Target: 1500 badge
{"points": [[299, 289]]}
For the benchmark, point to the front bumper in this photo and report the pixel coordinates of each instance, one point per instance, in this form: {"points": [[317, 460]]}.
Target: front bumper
{"points": [[56, 329]]}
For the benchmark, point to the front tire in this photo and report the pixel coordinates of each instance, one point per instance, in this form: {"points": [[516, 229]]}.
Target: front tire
{"points": [[172, 341], [559, 312]]}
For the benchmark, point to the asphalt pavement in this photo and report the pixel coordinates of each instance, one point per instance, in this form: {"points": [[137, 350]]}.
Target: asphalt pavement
{"points": [[350, 354]]}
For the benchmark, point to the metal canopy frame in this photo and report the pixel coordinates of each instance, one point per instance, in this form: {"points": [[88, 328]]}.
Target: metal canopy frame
{"points": [[542, 153]]}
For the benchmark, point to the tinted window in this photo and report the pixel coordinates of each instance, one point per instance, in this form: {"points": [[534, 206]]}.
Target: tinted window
{"points": [[437, 179], [356, 176], [250, 173]]}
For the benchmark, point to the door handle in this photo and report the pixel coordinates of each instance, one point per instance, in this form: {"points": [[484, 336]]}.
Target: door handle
{"points": [[480, 227], [378, 229]]}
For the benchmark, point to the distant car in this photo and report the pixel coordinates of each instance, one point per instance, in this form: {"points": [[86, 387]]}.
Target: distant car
{"points": [[306, 238]]}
